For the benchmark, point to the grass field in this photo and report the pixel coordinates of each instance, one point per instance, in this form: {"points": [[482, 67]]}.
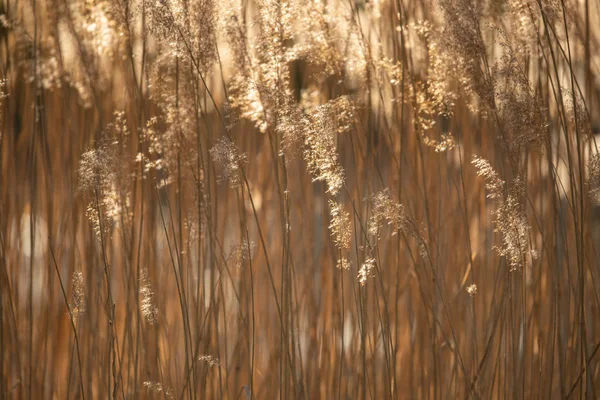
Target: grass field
{"points": [[299, 199]]}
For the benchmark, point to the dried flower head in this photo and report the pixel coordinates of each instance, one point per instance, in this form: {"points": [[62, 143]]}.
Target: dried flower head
{"points": [[435, 97], [321, 32], [445, 143], [101, 224], [519, 108], [160, 388], [594, 178], [211, 361], [343, 263], [386, 211], [239, 253], [105, 177], [579, 119], [366, 271], [493, 184], [524, 26], [47, 73], [511, 222], [95, 169], [85, 52], [472, 290], [77, 304], [99, 25], [172, 136], [246, 97], [341, 231], [510, 219], [148, 306], [445, 74], [230, 161], [317, 132], [357, 59], [463, 40], [3, 95], [259, 86], [186, 29]]}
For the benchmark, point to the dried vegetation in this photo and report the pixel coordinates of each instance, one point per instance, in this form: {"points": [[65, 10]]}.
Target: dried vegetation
{"points": [[299, 199]]}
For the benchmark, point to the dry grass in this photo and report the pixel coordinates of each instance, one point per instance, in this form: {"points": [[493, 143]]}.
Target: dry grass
{"points": [[299, 199]]}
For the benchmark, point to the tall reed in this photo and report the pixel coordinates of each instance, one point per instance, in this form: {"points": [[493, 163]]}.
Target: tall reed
{"points": [[299, 199]]}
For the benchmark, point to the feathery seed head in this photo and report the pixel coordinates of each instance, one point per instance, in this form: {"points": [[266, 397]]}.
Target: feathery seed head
{"points": [[157, 387], [472, 290], [148, 306], [226, 155], [77, 304], [209, 360], [510, 219], [366, 271], [593, 180]]}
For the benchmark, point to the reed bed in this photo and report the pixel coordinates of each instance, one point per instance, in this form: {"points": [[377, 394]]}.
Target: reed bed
{"points": [[299, 199]]}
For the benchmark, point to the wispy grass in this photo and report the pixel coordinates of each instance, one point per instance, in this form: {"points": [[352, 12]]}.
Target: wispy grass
{"points": [[290, 199]]}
